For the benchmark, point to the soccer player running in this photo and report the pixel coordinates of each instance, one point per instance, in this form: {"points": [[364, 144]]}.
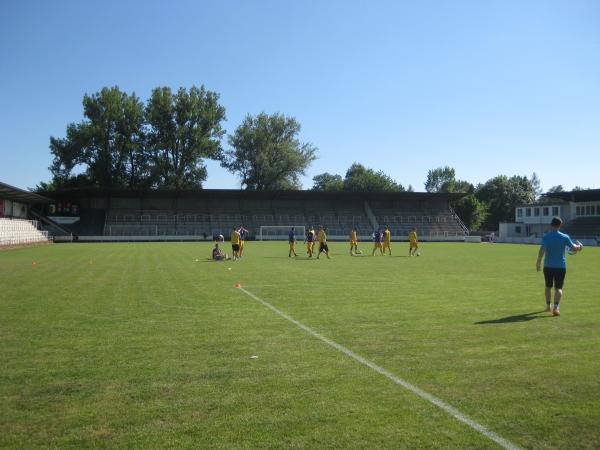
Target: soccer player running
{"points": [[414, 244], [235, 243], [292, 242], [387, 239], [309, 240], [243, 235], [554, 244], [377, 237], [323, 247], [353, 242]]}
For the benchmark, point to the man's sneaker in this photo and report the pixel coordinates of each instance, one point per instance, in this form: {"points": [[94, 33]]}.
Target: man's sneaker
{"points": [[548, 309], [556, 312]]}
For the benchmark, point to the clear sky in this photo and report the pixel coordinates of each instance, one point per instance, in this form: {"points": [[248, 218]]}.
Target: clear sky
{"points": [[503, 87]]}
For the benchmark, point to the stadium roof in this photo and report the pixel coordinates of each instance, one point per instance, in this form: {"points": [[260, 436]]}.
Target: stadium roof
{"points": [[8, 192], [247, 194], [588, 195]]}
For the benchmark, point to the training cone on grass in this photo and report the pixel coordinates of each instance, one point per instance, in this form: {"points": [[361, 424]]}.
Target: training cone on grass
{"points": [[34, 263], [238, 285]]}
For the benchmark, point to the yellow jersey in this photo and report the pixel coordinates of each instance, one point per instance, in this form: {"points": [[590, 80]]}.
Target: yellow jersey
{"points": [[322, 237], [387, 236], [353, 236], [412, 236], [235, 237]]}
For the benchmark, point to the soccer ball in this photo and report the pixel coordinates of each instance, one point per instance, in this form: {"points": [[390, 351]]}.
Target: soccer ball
{"points": [[572, 251], [418, 253], [358, 252]]}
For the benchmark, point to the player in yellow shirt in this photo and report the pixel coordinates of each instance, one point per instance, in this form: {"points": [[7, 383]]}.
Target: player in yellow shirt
{"points": [[387, 238], [353, 242], [323, 247], [311, 236], [235, 243], [243, 235], [414, 244]]}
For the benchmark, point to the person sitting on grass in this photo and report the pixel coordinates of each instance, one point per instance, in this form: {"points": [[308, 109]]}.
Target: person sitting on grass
{"points": [[218, 254]]}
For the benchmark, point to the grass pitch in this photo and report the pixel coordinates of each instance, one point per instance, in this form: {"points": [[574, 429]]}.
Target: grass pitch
{"points": [[140, 346]]}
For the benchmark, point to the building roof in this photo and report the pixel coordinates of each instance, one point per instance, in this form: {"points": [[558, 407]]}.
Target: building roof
{"points": [[247, 194], [588, 195], [8, 192]]}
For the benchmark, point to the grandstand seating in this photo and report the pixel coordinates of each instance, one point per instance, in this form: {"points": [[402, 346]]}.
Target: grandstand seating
{"points": [[583, 227], [20, 232], [339, 220], [428, 221]]}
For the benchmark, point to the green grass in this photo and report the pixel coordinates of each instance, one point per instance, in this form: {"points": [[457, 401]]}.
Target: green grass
{"points": [[140, 346]]}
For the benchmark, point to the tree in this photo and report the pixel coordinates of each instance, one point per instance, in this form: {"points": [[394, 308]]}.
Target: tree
{"points": [[471, 210], [184, 128], [440, 179], [556, 189], [328, 182], [537, 185], [104, 143], [502, 195], [360, 179], [267, 154]]}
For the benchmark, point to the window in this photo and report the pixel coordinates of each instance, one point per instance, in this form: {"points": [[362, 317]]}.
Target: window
{"points": [[528, 212], [536, 212], [578, 210], [555, 210], [546, 211], [589, 210], [518, 229], [519, 212]]}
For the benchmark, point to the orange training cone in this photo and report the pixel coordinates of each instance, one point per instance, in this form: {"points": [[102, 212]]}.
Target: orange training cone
{"points": [[238, 285], [34, 263]]}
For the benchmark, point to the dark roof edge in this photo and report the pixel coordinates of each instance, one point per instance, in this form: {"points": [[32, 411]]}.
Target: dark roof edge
{"points": [[121, 192], [16, 194]]}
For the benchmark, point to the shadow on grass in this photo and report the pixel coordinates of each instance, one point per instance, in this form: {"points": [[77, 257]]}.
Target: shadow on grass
{"points": [[518, 318]]}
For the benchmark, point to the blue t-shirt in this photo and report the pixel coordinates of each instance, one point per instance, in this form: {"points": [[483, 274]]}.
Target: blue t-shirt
{"points": [[292, 236], [555, 244], [377, 236], [310, 236], [243, 234]]}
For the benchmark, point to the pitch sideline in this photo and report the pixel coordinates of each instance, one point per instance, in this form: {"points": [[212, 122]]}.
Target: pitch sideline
{"points": [[504, 443]]}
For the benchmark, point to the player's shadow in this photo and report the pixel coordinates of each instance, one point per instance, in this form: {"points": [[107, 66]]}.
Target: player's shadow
{"points": [[518, 318]]}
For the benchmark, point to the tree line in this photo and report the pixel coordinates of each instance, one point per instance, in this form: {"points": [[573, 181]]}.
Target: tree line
{"points": [[483, 206], [164, 142]]}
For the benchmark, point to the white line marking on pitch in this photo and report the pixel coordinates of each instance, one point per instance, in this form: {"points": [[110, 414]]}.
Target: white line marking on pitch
{"points": [[405, 384]]}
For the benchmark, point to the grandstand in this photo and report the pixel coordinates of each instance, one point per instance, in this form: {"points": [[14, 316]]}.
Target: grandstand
{"points": [[118, 214], [15, 208]]}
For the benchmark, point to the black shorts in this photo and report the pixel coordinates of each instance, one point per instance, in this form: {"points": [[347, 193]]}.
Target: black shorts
{"points": [[323, 248], [555, 276], [235, 247]]}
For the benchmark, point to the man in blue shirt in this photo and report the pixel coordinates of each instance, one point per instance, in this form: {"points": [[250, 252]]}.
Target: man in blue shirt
{"points": [[377, 237], [554, 244], [292, 242]]}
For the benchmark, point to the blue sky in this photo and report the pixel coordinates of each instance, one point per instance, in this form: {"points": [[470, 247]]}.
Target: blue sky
{"points": [[505, 87]]}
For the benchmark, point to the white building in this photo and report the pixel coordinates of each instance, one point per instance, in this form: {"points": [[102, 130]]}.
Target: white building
{"points": [[579, 210]]}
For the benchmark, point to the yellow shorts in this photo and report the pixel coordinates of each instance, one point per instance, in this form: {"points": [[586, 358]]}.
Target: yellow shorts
{"points": [[413, 244], [377, 244], [242, 245], [353, 243], [386, 245]]}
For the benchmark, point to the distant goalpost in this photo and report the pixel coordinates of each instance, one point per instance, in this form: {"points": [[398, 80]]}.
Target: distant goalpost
{"points": [[280, 232]]}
